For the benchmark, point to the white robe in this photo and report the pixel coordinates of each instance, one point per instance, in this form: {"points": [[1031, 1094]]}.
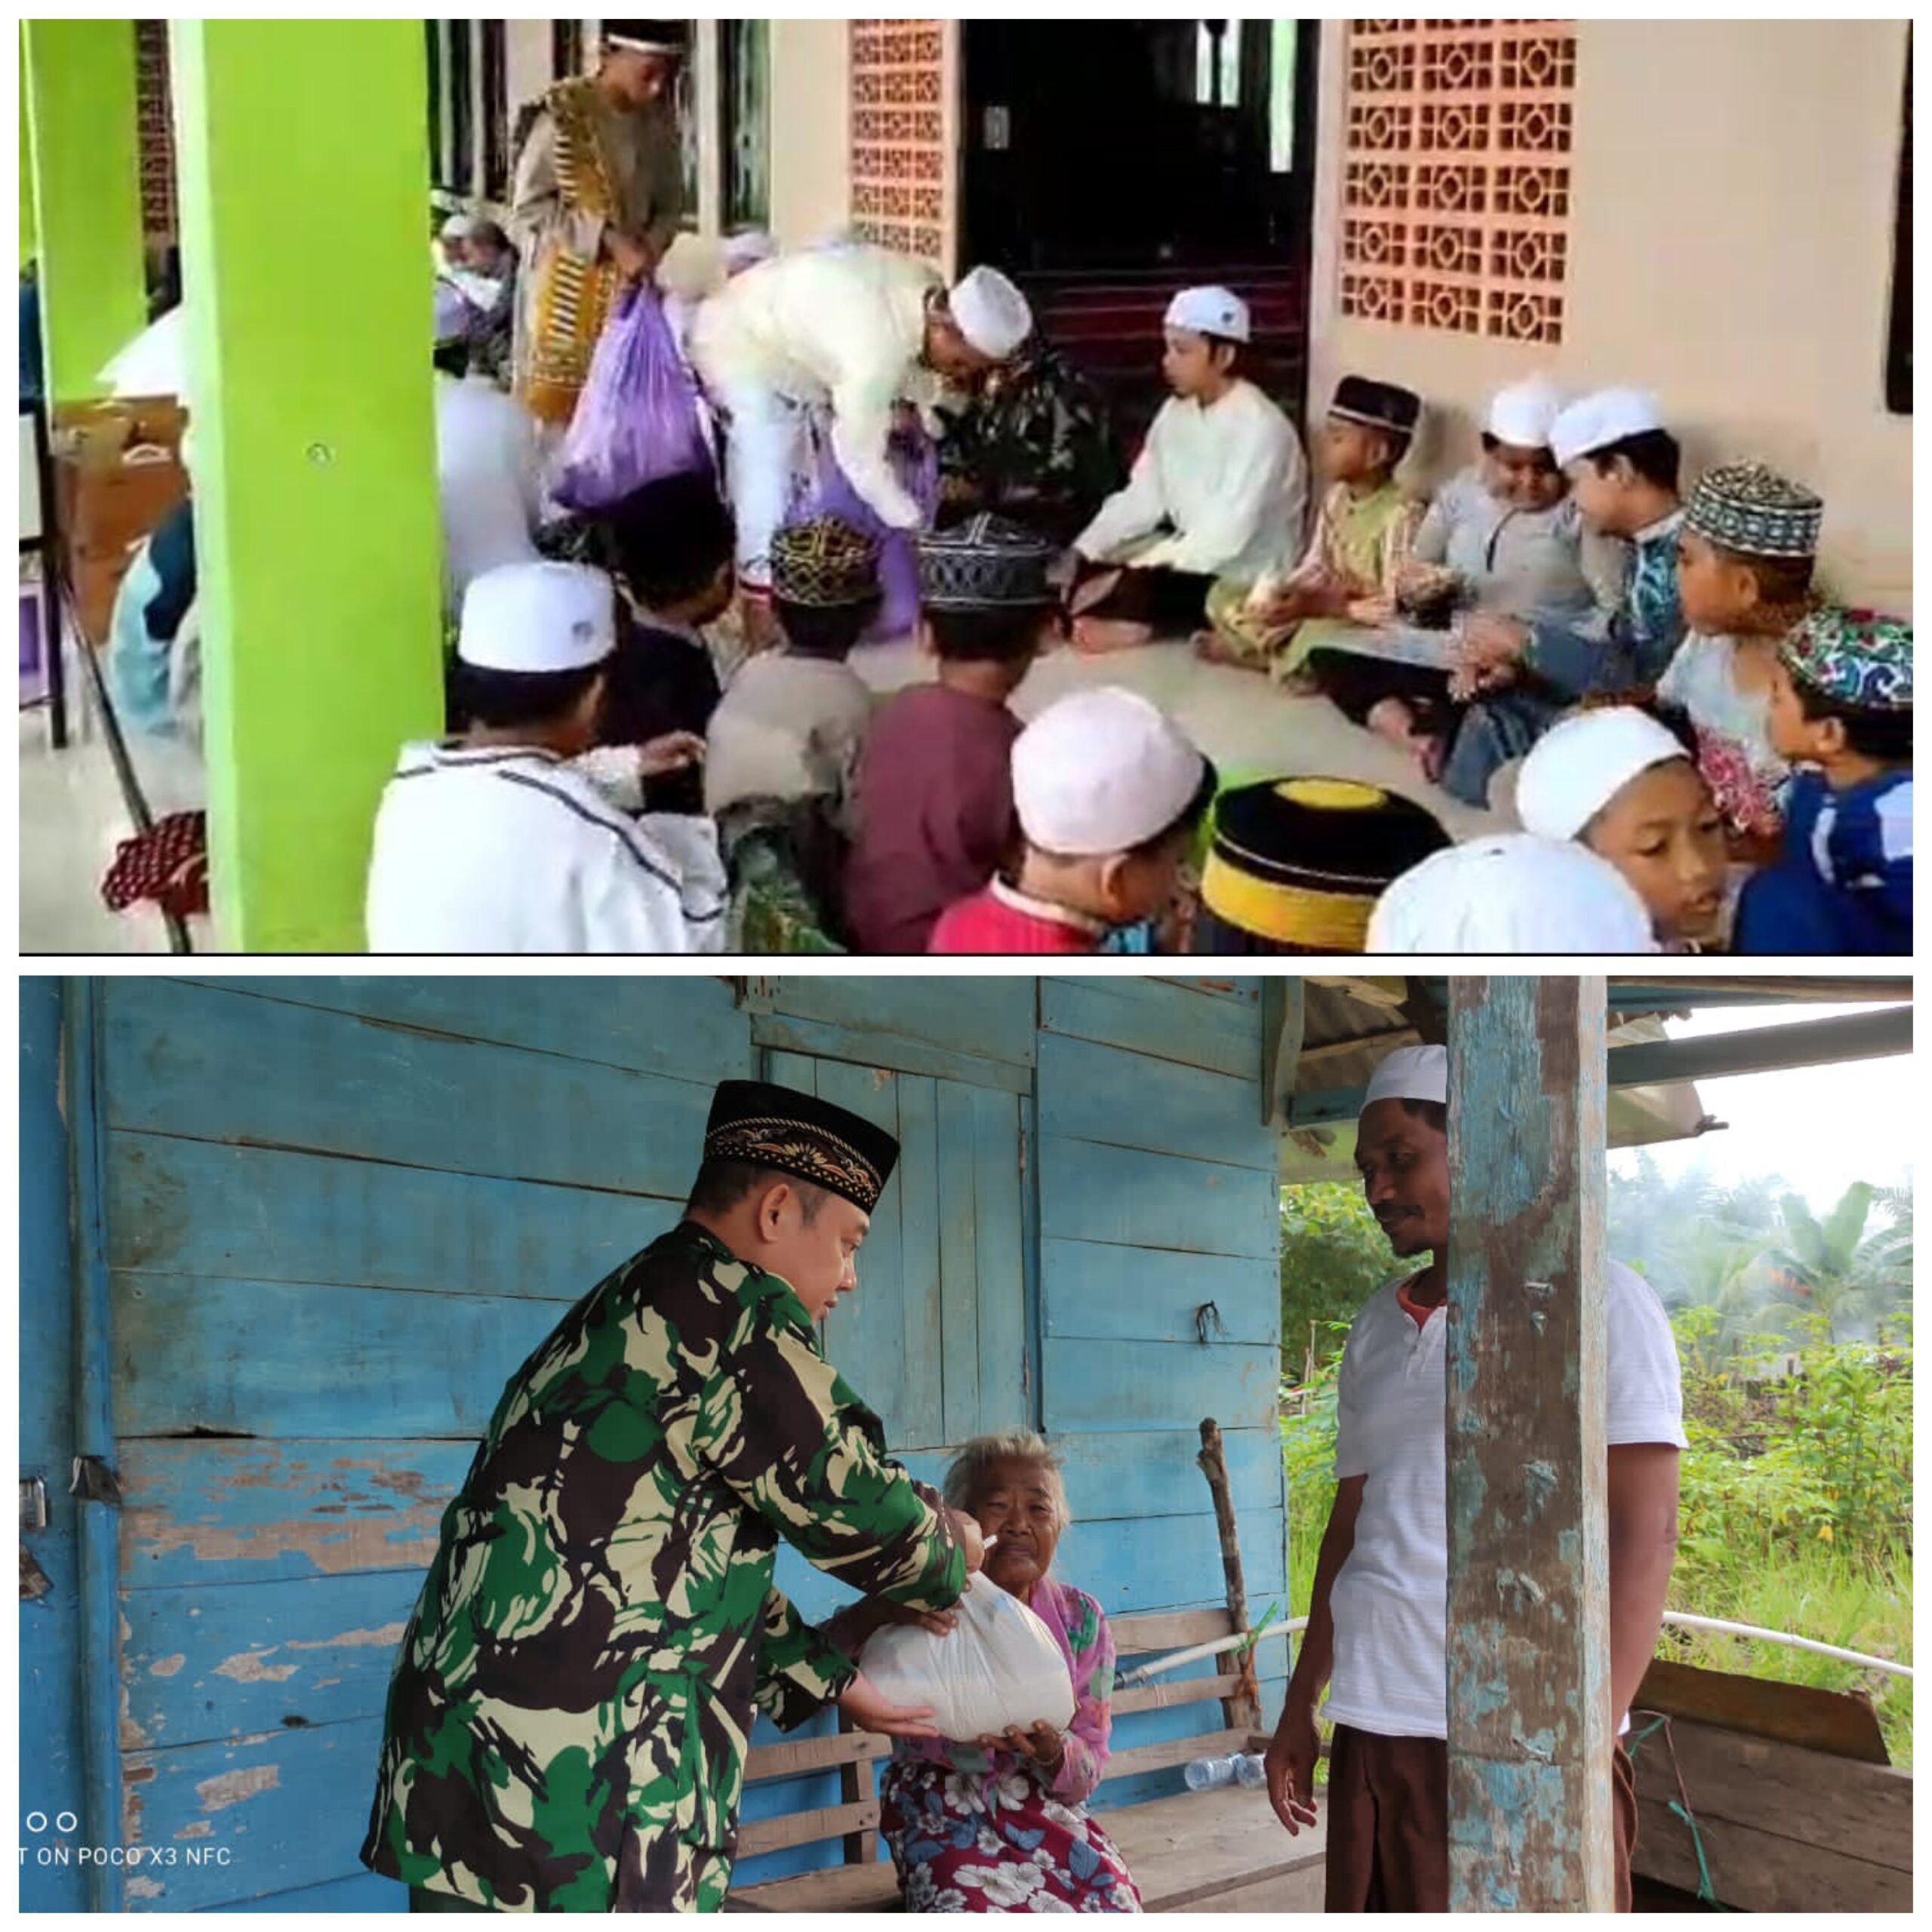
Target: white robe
{"points": [[838, 331], [498, 849], [1231, 480], [488, 481]]}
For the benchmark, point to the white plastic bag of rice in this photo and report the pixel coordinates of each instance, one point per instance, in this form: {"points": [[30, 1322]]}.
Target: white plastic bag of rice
{"points": [[998, 1667]]}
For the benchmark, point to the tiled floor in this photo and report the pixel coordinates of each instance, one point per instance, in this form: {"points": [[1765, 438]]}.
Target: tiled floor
{"points": [[71, 815], [1245, 725], [71, 820]]}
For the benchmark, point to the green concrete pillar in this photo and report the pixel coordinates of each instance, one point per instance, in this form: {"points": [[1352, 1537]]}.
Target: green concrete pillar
{"points": [[26, 160], [303, 154], [83, 129]]}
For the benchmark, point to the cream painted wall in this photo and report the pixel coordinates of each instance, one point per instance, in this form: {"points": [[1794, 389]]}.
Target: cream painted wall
{"points": [[811, 148], [1731, 250]]}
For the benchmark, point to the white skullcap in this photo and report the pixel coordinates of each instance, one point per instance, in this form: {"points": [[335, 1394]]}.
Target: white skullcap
{"points": [[747, 249], [1579, 765], [1101, 772], [462, 228], [1409, 1073], [1524, 415], [453, 315], [990, 313], [1513, 894], [1611, 415], [538, 617], [1211, 311]]}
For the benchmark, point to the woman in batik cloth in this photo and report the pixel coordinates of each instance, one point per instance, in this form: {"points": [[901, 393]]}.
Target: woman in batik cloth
{"points": [[599, 197], [1000, 1824]]}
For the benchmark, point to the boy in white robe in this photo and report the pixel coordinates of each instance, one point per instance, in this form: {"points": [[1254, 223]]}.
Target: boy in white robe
{"points": [[497, 843], [1220, 490]]}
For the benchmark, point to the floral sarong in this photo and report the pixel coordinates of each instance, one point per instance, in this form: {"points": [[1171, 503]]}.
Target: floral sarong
{"points": [[975, 1831]]}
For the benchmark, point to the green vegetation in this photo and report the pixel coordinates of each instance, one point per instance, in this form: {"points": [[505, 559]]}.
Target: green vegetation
{"points": [[1794, 1331]]}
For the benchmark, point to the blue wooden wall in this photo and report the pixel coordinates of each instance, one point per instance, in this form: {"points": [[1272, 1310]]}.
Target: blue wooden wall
{"points": [[339, 1212]]}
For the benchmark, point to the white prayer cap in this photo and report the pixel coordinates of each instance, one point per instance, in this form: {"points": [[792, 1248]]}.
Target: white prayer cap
{"points": [[462, 228], [1524, 415], [747, 249], [1513, 894], [538, 617], [1579, 765], [453, 315], [1211, 311], [1611, 415], [1409, 1073], [990, 313], [1102, 771]]}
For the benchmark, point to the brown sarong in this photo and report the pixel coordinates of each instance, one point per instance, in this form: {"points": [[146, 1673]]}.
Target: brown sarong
{"points": [[1389, 1824]]}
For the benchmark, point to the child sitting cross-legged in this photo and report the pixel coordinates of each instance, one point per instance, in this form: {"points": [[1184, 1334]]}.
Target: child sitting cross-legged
{"points": [[792, 720], [1745, 559], [1109, 794], [1520, 678], [1363, 537], [934, 810], [1840, 712], [1221, 489]]}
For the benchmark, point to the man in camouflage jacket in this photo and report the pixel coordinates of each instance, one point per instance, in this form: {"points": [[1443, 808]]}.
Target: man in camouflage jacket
{"points": [[569, 1715], [1035, 444]]}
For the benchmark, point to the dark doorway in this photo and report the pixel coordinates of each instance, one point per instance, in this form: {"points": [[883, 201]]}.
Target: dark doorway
{"points": [[1107, 162]]}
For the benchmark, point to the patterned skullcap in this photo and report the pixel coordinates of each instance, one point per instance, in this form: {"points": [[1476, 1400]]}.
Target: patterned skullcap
{"points": [[1755, 512], [1856, 658], [1300, 862], [826, 565], [1381, 405], [986, 563], [799, 1134]]}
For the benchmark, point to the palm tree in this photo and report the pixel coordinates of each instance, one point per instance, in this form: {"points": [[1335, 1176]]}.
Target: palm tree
{"points": [[1850, 1278]]}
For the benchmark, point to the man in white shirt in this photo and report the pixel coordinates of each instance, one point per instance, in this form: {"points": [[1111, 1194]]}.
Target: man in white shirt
{"points": [[1220, 490], [498, 843], [1377, 1635], [488, 477], [847, 336]]}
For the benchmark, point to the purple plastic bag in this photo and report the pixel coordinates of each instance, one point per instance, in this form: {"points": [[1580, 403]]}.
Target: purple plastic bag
{"points": [[638, 420], [915, 462]]}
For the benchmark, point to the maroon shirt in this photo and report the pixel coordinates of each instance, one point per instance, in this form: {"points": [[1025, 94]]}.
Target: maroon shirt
{"points": [[934, 808]]}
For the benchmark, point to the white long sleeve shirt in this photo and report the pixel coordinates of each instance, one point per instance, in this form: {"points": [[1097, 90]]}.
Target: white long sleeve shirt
{"points": [[505, 851], [1230, 479], [837, 327]]}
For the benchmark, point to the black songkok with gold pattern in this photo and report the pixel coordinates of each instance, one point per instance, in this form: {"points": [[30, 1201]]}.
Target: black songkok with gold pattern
{"points": [[799, 1134]]}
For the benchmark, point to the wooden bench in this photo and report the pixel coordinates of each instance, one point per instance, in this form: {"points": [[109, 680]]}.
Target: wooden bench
{"points": [[1212, 1851]]}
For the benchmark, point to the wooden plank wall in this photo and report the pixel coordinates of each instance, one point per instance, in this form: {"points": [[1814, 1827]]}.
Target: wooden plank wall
{"points": [[340, 1212], [1160, 1303], [53, 1772]]}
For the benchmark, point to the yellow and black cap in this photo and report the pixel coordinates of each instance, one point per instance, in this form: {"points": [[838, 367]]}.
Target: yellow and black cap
{"points": [[1298, 864]]}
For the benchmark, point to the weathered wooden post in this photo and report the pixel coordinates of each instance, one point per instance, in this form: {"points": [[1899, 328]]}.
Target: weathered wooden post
{"points": [[1529, 1744]]}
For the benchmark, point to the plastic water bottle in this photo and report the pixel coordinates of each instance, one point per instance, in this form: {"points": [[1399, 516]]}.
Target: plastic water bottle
{"points": [[1247, 1770], [1209, 1773]]}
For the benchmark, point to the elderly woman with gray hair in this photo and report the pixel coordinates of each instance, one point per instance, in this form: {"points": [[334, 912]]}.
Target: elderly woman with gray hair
{"points": [[1000, 1824]]}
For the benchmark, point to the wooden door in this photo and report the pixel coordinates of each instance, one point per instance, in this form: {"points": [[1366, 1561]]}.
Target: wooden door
{"points": [[937, 1338]]}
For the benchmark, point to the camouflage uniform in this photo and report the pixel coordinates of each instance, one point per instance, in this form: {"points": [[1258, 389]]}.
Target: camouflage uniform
{"points": [[568, 1718], [1035, 445]]}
